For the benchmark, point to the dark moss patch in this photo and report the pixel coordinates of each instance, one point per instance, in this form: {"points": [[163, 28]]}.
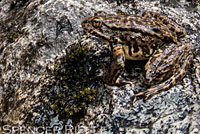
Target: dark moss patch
{"points": [[75, 88]]}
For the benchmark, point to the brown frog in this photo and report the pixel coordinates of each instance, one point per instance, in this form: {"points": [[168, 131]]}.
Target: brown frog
{"points": [[151, 37]]}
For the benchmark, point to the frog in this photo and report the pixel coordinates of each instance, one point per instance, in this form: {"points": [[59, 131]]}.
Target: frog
{"points": [[152, 37]]}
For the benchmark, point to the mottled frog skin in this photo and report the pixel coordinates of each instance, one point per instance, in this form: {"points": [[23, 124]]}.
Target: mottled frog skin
{"points": [[151, 37]]}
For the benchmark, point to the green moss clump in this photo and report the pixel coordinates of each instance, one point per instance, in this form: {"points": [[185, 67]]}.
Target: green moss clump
{"points": [[73, 85]]}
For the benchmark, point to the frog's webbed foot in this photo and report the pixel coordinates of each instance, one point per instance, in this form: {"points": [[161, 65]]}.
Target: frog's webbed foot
{"points": [[181, 60]]}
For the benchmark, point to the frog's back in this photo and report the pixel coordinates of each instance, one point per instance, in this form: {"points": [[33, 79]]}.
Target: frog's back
{"points": [[175, 29], [138, 24]]}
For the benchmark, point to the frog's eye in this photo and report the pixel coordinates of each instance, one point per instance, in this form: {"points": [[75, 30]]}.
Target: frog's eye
{"points": [[96, 22]]}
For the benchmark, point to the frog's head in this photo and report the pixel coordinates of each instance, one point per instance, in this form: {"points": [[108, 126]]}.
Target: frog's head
{"points": [[101, 25]]}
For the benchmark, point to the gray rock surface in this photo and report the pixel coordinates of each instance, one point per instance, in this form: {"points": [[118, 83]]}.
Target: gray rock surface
{"points": [[35, 34]]}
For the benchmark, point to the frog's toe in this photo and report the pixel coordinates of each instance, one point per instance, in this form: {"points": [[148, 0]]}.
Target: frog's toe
{"points": [[138, 96], [121, 82]]}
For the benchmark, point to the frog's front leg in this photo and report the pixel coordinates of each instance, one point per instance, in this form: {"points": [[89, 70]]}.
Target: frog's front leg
{"points": [[165, 68], [111, 77]]}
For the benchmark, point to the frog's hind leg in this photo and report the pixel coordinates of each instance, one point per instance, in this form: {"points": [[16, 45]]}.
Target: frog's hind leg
{"points": [[184, 63]]}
